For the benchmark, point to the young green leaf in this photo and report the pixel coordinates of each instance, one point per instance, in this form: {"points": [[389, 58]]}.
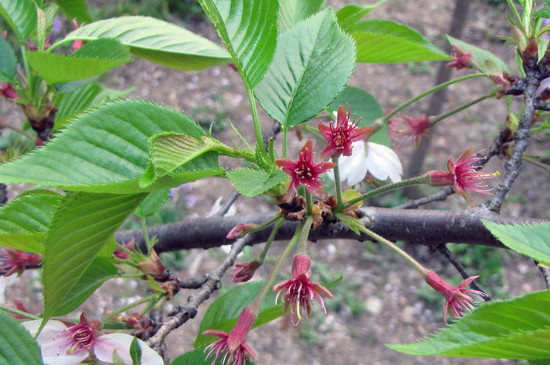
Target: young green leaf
{"points": [[75, 9], [254, 182], [384, 41], [94, 58], [294, 11], [78, 231], [513, 329], [106, 150], [135, 352], [195, 357], [20, 15], [25, 220], [488, 62], [312, 63], [8, 62], [156, 41], [529, 240], [365, 106], [100, 270], [17, 347], [71, 103], [249, 30], [350, 15]]}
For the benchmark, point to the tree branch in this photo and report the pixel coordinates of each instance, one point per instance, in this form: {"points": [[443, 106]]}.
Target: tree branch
{"points": [[428, 227]]}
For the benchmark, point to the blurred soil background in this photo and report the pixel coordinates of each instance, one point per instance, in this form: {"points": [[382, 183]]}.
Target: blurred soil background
{"points": [[380, 299]]}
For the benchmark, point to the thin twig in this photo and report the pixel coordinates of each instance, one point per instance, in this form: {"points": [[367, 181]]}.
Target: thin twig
{"points": [[458, 266], [439, 196], [228, 204], [183, 313], [545, 273]]}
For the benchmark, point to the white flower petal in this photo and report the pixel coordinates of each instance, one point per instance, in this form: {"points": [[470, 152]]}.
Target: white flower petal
{"points": [[353, 168], [120, 342], [383, 163], [64, 360]]}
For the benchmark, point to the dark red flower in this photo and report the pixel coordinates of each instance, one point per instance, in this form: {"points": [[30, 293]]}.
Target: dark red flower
{"points": [[244, 271], [232, 345], [15, 261], [298, 292], [7, 90], [405, 129], [463, 176], [343, 134], [460, 58], [304, 172], [458, 298]]}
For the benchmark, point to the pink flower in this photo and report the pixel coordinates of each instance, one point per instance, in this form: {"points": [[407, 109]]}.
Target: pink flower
{"points": [[123, 254], [304, 172], [72, 344], [299, 292], [7, 90], [15, 261], [460, 58], [341, 135], [78, 43], [244, 271], [240, 230], [233, 344], [406, 129], [458, 299], [463, 176]]}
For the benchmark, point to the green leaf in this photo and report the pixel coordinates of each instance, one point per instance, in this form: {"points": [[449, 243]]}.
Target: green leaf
{"points": [[222, 314], [488, 62], [153, 203], [169, 150], [94, 58], [294, 11], [156, 41], [79, 230], [8, 62], [365, 106], [384, 41], [350, 15], [106, 151], [71, 103], [312, 63], [513, 329], [25, 220], [197, 357], [249, 30], [75, 9], [17, 347], [135, 352], [20, 15], [253, 182], [529, 240], [100, 270], [544, 12]]}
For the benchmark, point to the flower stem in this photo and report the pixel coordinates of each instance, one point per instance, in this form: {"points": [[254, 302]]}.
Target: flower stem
{"points": [[440, 117], [421, 269], [269, 282], [153, 297], [302, 244], [256, 120], [19, 312], [309, 204], [431, 91], [285, 141], [20, 131], [278, 225], [422, 179], [337, 183]]}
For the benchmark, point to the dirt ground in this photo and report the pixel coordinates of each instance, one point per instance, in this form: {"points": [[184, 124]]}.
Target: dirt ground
{"points": [[376, 303]]}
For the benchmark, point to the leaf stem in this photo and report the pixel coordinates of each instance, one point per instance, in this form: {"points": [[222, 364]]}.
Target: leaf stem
{"points": [[285, 141], [145, 234], [256, 120], [20, 131], [19, 312], [440, 117], [422, 179]]}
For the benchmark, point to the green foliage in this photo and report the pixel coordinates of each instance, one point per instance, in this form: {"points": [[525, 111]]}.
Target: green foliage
{"points": [[350, 15], [312, 63], [529, 240], [156, 41], [294, 11], [488, 62], [153, 203], [8, 62], [17, 347], [21, 16], [384, 41], [249, 30], [254, 182], [75, 9], [512, 329], [25, 220], [112, 151], [135, 352], [79, 229], [94, 58]]}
